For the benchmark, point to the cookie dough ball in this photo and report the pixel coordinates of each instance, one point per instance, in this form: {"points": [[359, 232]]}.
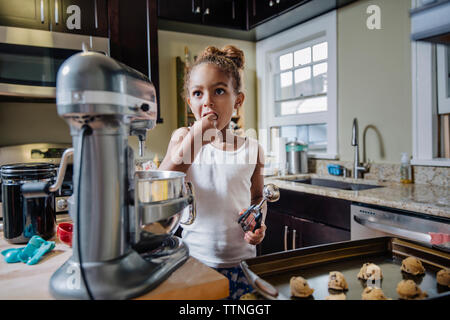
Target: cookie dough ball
{"points": [[337, 281], [373, 293], [443, 277], [412, 266], [249, 296], [300, 288], [370, 271], [340, 296], [409, 290]]}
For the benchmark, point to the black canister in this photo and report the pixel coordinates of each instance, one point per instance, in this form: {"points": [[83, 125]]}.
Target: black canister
{"points": [[24, 218]]}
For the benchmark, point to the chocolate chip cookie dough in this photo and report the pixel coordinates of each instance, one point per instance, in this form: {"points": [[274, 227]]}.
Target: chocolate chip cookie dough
{"points": [[370, 271], [373, 293], [409, 290], [337, 281], [443, 277], [300, 288], [249, 296], [412, 266], [340, 296]]}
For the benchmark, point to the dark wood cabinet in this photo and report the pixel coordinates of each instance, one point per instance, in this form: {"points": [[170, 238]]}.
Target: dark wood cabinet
{"points": [[331, 211], [301, 220], [133, 36], [308, 233], [251, 20], [259, 11], [225, 13], [190, 11], [87, 17], [277, 235], [25, 14]]}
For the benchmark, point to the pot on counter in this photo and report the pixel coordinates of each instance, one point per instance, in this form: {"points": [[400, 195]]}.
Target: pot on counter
{"points": [[24, 218], [297, 157]]}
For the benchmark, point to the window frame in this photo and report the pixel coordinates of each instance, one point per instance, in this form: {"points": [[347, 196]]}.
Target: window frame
{"points": [[322, 28], [425, 104], [304, 119], [442, 76]]}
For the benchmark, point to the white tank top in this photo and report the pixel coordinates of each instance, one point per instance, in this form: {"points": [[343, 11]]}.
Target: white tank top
{"points": [[222, 184]]}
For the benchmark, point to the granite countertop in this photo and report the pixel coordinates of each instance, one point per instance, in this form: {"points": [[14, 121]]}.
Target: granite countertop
{"points": [[427, 199]]}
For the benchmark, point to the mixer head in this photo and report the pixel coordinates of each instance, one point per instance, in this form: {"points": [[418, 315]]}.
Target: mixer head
{"points": [[92, 86]]}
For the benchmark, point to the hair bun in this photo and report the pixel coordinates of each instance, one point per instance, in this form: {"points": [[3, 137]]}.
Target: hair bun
{"points": [[235, 54], [231, 52]]}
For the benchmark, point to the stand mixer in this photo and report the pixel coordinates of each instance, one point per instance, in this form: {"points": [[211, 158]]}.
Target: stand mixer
{"points": [[124, 220]]}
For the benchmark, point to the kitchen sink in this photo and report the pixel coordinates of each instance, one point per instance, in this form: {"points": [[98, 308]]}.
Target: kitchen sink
{"points": [[337, 184]]}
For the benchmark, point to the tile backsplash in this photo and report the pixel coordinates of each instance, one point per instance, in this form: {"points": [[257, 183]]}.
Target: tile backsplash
{"points": [[439, 176]]}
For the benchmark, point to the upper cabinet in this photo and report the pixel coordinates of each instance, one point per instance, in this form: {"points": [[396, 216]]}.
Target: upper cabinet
{"points": [[25, 14], [260, 11], [133, 37], [181, 10], [226, 13], [251, 20], [87, 17]]}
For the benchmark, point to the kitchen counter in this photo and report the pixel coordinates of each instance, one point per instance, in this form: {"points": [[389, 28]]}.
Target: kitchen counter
{"points": [[192, 281], [427, 199]]}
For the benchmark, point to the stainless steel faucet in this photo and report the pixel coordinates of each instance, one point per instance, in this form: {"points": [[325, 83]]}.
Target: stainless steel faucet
{"points": [[357, 167]]}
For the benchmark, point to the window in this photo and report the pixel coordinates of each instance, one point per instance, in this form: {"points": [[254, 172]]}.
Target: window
{"points": [[431, 104], [297, 93], [301, 79]]}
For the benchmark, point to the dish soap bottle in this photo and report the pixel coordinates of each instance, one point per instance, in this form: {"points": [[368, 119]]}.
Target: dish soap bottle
{"points": [[405, 169]]}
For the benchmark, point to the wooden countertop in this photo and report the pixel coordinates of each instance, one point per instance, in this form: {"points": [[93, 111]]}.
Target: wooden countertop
{"points": [[192, 281]]}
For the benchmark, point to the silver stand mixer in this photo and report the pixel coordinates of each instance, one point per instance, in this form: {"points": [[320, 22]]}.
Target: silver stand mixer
{"points": [[123, 242]]}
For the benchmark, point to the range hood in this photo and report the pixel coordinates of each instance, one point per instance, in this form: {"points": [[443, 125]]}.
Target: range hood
{"points": [[431, 22]]}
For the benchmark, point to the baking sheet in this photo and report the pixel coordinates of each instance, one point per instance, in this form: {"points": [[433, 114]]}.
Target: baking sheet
{"points": [[346, 258], [317, 278]]}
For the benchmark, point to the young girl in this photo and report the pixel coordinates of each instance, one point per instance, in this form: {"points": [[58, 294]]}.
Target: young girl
{"points": [[225, 169]]}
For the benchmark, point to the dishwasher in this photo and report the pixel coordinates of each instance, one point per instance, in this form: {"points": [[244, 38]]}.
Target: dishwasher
{"points": [[371, 221]]}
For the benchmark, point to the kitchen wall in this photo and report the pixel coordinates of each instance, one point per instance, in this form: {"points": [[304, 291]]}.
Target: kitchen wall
{"points": [[171, 44], [374, 80], [22, 123]]}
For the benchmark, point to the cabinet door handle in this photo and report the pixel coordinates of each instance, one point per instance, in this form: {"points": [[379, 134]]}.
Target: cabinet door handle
{"points": [[96, 14], [56, 12], [233, 10], [294, 233], [206, 12], [197, 10], [285, 237], [270, 3], [42, 11]]}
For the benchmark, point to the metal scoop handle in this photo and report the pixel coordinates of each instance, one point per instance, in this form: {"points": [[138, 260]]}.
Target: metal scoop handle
{"points": [[271, 193]]}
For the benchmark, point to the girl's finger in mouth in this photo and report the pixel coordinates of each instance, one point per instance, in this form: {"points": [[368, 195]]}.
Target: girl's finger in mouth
{"points": [[211, 115]]}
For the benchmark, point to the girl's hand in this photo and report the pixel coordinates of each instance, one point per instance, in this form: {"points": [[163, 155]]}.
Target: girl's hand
{"points": [[257, 236], [206, 128]]}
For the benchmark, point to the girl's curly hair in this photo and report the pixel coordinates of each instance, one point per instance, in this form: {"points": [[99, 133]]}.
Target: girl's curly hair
{"points": [[229, 59]]}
